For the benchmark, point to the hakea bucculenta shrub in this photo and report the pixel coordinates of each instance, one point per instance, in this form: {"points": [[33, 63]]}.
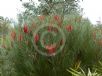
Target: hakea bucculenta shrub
{"points": [[80, 48]]}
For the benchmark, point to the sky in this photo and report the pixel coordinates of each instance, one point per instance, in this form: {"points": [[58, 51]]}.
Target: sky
{"points": [[92, 9]]}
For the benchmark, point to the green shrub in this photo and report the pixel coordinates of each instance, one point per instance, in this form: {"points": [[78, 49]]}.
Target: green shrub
{"points": [[80, 49]]}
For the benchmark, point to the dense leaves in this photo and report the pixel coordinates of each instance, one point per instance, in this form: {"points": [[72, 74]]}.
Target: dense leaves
{"points": [[82, 47], [80, 50]]}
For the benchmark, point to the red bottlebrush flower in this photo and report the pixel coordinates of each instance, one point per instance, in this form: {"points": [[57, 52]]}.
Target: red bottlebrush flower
{"points": [[36, 38], [69, 28], [20, 37], [56, 17], [51, 48], [25, 29], [41, 18], [13, 35]]}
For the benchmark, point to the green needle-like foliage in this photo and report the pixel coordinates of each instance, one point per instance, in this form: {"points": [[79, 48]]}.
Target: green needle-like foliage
{"points": [[80, 50]]}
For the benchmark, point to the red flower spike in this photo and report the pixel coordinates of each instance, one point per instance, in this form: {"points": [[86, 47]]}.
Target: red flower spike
{"points": [[69, 28], [51, 48], [25, 29], [13, 35], [20, 37], [56, 17], [36, 38]]}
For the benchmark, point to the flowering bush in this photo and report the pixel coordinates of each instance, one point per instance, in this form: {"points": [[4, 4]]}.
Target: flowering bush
{"points": [[80, 48]]}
